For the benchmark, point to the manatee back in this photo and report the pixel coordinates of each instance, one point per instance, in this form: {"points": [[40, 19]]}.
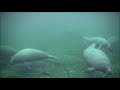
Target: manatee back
{"points": [[102, 41], [28, 55], [6, 52], [96, 58]]}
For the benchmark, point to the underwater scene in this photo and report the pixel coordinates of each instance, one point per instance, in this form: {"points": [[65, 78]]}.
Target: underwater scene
{"points": [[59, 44]]}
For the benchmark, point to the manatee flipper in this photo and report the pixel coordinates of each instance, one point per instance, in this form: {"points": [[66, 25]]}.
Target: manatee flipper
{"points": [[54, 57], [110, 48], [67, 71], [89, 70], [28, 66], [100, 46]]}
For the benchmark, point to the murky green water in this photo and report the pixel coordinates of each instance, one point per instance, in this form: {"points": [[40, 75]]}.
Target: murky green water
{"points": [[58, 34]]}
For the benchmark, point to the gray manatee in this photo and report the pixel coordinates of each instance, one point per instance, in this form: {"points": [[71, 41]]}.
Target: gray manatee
{"points": [[7, 52], [100, 42], [97, 60], [29, 55]]}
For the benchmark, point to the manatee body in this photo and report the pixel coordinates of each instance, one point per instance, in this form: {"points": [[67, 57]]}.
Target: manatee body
{"points": [[100, 42], [97, 60], [29, 55], [7, 52]]}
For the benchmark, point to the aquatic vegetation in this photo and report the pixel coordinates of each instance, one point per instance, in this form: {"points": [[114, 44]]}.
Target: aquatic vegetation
{"points": [[9, 74]]}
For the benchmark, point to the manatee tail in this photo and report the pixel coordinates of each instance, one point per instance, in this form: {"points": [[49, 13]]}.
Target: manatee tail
{"points": [[84, 38], [93, 45], [9, 64], [50, 56]]}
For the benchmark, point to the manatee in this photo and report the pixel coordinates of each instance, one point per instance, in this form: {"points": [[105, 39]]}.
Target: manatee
{"points": [[97, 60], [6, 53], [100, 42], [30, 55]]}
